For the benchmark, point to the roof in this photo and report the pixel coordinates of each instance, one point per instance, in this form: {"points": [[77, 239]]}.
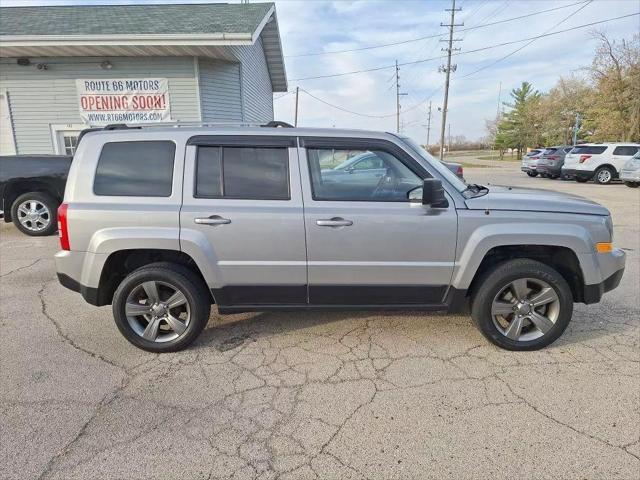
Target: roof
{"points": [[205, 30], [133, 19]]}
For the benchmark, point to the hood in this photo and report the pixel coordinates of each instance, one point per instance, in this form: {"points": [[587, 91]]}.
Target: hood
{"points": [[534, 200]]}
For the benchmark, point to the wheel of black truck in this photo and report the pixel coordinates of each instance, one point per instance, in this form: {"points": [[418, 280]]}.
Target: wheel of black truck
{"points": [[532, 174], [35, 214], [522, 305], [161, 307]]}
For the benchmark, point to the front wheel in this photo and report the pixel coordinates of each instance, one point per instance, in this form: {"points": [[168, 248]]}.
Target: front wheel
{"points": [[632, 184], [603, 175], [522, 304], [532, 174], [161, 307]]}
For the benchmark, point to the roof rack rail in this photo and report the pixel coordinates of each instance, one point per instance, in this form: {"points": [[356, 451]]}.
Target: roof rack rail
{"points": [[124, 126], [138, 126]]}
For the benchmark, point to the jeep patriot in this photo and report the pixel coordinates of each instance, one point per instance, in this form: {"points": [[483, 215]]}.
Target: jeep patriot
{"points": [[162, 222]]}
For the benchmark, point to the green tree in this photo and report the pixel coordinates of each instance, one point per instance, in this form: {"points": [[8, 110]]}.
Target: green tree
{"points": [[520, 126]]}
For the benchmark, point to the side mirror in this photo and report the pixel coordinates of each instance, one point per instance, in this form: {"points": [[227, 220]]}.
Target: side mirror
{"points": [[433, 193]]}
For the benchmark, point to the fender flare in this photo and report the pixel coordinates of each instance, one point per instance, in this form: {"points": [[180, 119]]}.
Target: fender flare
{"points": [[483, 239]]}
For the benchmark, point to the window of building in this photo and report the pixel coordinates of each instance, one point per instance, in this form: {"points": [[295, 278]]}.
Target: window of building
{"points": [[136, 169], [243, 173], [386, 178]]}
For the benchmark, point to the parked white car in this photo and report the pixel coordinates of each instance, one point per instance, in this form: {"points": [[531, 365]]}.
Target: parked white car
{"points": [[601, 162], [630, 173]]}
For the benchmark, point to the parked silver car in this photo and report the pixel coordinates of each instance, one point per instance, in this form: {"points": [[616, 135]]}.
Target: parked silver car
{"points": [[530, 161], [630, 173], [162, 222]]}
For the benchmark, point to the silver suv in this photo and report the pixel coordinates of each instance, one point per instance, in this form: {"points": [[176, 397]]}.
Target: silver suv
{"points": [[163, 222]]}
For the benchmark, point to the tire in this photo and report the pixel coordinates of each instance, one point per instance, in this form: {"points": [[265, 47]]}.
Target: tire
{"points": [[153, 331], [603, 175], [35, 214], [532, 174], [582, 180], [498, 282], [632, 184]]}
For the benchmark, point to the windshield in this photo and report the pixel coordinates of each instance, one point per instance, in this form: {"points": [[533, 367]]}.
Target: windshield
{"points": [[442, 169]]}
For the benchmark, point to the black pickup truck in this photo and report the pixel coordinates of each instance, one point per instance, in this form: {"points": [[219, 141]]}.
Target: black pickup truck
{"points": [[31, 189]]}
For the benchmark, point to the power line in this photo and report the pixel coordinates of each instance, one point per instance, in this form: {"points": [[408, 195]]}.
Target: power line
{"points": [[402, 42], [360, 114], [546, 33], [424, 60]]}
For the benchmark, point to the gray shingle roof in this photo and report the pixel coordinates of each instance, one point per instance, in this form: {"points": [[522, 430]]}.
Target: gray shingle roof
{"points": [[133, 19]]}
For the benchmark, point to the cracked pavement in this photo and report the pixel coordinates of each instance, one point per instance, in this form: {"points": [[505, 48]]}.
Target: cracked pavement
{"points": [[327, 395]]}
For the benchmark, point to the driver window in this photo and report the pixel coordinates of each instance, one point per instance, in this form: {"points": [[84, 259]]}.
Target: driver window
{"points": [[359, 175]]}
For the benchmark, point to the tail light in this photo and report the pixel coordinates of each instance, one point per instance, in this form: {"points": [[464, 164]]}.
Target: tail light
{"points": [[459, 171], [584, 158], [63, 231]]}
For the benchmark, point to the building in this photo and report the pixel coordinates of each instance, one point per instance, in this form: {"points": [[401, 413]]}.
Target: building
{"points": [[64, 68]]}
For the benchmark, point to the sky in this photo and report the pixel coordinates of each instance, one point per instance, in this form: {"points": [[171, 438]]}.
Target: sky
{"points": [[479, 81]]}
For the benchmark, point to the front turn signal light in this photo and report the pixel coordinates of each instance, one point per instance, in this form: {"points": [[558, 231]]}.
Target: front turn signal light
{"points": [[604, 247]]}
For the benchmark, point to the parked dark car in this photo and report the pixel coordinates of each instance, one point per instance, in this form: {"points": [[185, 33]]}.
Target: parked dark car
{"points": [[551, 161], [31, 189]]}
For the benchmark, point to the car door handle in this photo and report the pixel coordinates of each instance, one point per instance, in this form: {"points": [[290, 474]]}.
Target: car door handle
{"points": [[334, 222], [212, 220]]}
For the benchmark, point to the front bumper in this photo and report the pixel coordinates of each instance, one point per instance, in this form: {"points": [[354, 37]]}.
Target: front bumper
{"points": [[630, 175], [611, 268]]}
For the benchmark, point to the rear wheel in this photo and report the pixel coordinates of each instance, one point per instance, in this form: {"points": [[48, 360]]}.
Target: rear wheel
{"points": [[161, 307], [532, 174], [522, 305], [604, 175], [35, 214], [632, 184]]}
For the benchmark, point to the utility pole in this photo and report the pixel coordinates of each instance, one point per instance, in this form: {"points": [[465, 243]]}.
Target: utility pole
{"points": [[449, 147], [428, 125], [295, 122], [499, 98], [398, 94], [448, 69], [576, 127]]}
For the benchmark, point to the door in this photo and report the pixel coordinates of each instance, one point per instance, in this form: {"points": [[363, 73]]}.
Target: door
{"points": [[367, 244], [243, 204]]}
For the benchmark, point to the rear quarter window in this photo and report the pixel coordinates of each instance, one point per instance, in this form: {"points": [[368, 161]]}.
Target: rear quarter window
{"points": [[589, 150], [135, 169], [625, 150]]}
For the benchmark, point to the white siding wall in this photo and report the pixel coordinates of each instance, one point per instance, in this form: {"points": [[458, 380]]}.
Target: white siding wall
{"points": [[220, 92], [40, 98], [257, 93]]}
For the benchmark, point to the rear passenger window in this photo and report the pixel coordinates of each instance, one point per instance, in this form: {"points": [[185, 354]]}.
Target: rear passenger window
{"points": [[135, 169], [626, 150], [243, 173], [588, 150]]}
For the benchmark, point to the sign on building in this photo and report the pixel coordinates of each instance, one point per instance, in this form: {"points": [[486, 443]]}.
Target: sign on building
{"points": [[127, 100]]}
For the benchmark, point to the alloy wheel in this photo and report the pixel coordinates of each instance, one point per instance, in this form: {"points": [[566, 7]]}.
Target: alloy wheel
{"points": [[604, 176], [34, 215], [525, 309], [158, 311]]}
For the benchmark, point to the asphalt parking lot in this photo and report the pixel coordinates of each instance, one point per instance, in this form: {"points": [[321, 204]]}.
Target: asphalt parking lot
{"points": [[337, 395]]}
